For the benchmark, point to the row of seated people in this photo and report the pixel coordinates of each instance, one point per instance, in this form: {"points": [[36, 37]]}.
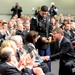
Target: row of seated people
{"points": [[7, 29], [14, 26], [21, 26], [29, 54], [16, 60]]}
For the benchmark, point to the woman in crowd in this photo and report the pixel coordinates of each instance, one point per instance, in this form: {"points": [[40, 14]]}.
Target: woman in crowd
{"points": [[31, 38], [25, 62]]}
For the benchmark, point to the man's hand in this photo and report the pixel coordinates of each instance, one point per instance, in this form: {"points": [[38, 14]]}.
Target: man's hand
{"points": [[46, 58], [49, 39], [44, 40]]}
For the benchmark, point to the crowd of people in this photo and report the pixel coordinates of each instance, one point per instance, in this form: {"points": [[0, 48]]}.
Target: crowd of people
{"points": [[25, 43]]}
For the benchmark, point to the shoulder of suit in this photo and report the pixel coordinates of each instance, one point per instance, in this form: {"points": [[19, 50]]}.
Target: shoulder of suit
{"points": [[66, 39]]}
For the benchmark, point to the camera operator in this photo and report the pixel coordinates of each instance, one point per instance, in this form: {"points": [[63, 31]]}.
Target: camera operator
{"points": [[53, 10], [16, 10]]}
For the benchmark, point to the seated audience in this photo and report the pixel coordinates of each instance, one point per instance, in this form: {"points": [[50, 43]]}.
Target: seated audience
{"points": [[11, 61], [31, 38], [7, 66]]}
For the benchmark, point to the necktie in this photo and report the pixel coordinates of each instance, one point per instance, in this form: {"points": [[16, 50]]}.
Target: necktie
{"points": [[59, 44]]}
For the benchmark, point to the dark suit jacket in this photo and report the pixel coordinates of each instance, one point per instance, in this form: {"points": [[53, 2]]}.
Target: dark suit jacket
{"points": [[6, 69], [66, 34], [65, 53]]}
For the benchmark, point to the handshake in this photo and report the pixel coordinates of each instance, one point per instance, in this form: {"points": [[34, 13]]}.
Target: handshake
{"points": [[46, 58], [42, 59]]}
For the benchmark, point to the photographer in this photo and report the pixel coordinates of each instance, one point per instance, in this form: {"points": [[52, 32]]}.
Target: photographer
{"points": [[16, 10], [53, 10]]}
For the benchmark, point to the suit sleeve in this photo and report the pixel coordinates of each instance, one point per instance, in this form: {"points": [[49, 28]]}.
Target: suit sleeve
{"points": [[12, 9], [64, 50], [20, 9]]}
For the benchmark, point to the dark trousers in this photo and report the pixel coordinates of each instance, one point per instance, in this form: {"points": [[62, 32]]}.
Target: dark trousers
{"points": [[65, 68], [44, 53]]}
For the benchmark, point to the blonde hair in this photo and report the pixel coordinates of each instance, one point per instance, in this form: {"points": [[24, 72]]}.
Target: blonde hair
{"points": [[9, 43]]}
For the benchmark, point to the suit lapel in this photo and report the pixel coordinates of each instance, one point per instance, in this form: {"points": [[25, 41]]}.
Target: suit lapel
{"points": [[61, 43]]}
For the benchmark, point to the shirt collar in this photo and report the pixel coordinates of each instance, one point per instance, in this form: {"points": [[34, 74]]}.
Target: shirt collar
{"points": [[30, 67], [60, 39], [9, 63]]}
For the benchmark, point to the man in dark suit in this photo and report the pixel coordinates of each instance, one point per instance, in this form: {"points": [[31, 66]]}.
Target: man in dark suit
{"points": [[68, 32], [65, 51], [8, 65], [16, 10]]}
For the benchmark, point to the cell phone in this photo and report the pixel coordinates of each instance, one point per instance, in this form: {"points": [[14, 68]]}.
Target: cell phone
{"points": [[39, 61]]}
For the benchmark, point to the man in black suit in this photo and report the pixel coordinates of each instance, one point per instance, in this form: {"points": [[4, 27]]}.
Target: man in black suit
{"points": [[68, 32], [6, 68], [16, 10], [8, 65], [65, 52]]}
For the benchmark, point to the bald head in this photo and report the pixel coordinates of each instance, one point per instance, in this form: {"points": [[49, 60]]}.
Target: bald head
{"points": [[6, 49], [6, 52]]}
